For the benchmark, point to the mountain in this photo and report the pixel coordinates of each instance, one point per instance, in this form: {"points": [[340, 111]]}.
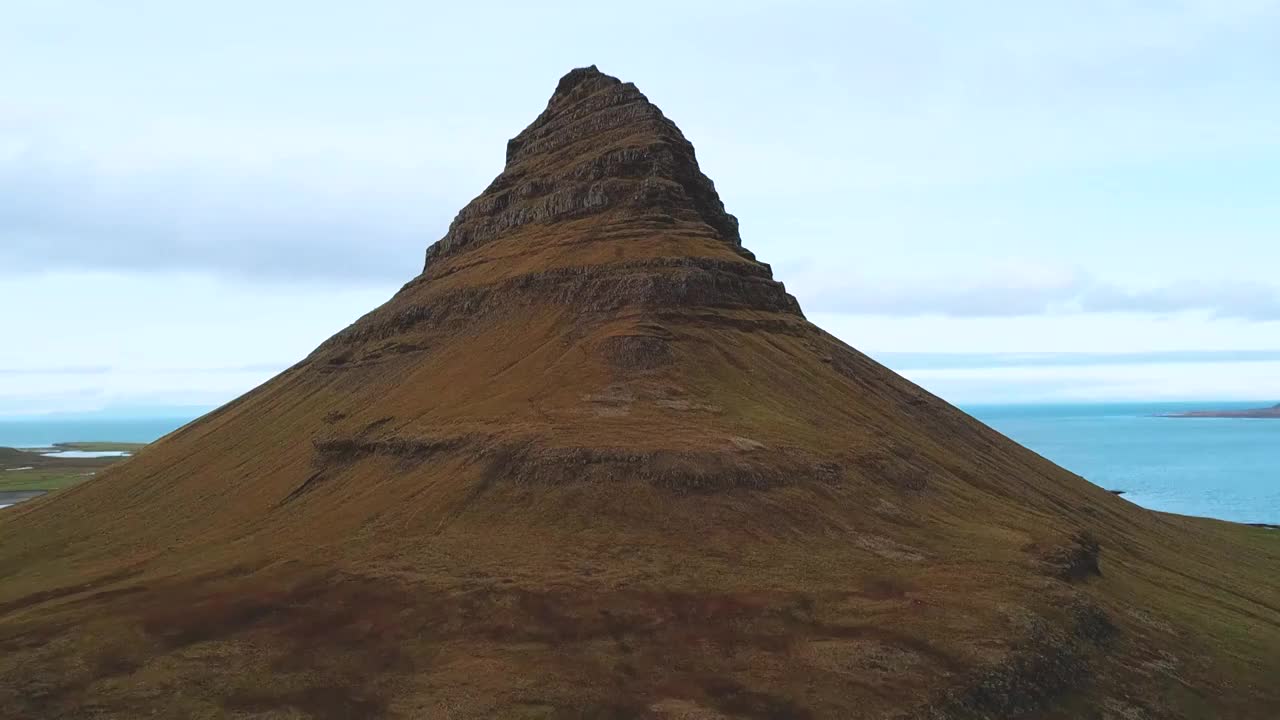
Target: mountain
{"points": [[594, 462], [1260, 413]]}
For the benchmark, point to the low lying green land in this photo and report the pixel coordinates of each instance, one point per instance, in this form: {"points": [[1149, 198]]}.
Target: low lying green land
{"points": [[100, 446], [27, 470]]}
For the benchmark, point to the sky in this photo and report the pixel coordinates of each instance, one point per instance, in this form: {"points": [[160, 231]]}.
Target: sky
{"points": [[1005, 202]]}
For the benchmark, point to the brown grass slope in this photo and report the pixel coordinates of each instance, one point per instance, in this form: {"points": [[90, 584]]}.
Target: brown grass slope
{"points": [[594, 463]]}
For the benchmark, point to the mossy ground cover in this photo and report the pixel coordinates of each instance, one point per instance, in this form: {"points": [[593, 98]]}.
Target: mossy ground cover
{"points": [[30, 469]]}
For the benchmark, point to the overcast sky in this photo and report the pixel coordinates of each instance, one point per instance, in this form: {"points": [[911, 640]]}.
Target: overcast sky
{"points": [[194, 195]]}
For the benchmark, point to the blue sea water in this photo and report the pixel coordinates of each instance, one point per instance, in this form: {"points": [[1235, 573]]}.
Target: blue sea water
{"points": [[1213, 467], [1222, 468], [43, 432]]}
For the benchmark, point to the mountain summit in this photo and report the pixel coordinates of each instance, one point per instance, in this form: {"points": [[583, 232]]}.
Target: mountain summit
{"points": [[595, 463], [599, 149]]}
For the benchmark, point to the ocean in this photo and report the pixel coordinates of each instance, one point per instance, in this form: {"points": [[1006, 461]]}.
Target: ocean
{"points": [[43, 432], [1212, 467], [1222, 468]]}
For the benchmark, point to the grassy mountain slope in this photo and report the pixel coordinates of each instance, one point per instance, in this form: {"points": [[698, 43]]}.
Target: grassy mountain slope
{"points": [[594, 462]]}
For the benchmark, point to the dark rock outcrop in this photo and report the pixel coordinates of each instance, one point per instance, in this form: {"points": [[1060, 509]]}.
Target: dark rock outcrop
{"points": [[1075, 560], [599, 148]]}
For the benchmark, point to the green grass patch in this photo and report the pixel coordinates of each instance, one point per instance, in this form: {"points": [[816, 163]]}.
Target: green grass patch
{"points": [[101, 446], [31, 470], [42, 479]]}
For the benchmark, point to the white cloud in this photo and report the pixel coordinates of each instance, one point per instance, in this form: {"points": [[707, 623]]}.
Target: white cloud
{"points": [[1021, 290], [246, 209], [1207, 381]]}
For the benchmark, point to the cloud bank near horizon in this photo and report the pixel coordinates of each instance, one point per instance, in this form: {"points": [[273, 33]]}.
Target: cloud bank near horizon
{"points": [[331, 229], [1019, 294], [963, 378]]}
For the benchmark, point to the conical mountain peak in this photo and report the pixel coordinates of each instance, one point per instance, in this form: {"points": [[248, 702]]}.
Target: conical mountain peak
{"points": [[601, 212], [580, 82], [594, 463], [601, 151]]}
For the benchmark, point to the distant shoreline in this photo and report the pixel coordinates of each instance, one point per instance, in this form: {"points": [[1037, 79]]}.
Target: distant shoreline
{"points": [[29, 473], [1266, 413]]}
